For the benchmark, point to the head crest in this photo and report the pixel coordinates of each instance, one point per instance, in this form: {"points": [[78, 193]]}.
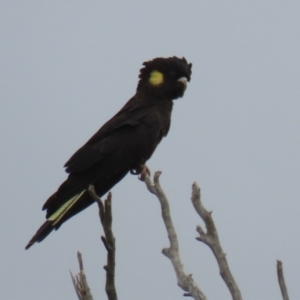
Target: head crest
{"points": [[165, 65]]}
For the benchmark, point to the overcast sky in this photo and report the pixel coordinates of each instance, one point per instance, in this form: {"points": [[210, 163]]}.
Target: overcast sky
{"points": [[66, 67]]}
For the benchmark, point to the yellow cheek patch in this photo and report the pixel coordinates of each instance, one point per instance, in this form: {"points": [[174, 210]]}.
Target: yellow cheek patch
{"points": [[156, 78]]}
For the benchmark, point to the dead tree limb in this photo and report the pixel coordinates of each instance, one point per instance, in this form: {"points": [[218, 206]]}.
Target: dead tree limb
{"points": [[80, 283], [211, 239], [281, 281], [108, 240], [185, 281]]}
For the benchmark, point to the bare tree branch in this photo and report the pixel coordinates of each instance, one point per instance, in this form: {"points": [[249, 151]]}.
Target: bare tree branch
{"points": [[185, 281], [281, 281], [108, 240], [211, 239], [80, 283]]}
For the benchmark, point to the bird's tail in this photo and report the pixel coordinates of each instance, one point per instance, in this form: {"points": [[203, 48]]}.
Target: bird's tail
{"points": [[55, 220], [43, 231]]}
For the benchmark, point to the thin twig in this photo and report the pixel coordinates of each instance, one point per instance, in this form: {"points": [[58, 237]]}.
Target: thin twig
{"points": [[80, 283], [281, 281], [108, 240], [185, 281], [211, 239]]}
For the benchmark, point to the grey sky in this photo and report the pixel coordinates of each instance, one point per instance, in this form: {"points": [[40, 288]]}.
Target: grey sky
{"points": [[67, 66]]}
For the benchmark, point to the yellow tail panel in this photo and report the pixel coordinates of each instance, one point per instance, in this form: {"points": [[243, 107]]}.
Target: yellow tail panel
{"points": [[56, 217]]}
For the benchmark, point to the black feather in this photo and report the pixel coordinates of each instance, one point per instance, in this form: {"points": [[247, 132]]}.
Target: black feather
{"points": [[122, 144]]}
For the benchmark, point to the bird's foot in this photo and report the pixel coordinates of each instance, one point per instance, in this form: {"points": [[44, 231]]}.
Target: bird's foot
{"points": [[143, 171]]}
